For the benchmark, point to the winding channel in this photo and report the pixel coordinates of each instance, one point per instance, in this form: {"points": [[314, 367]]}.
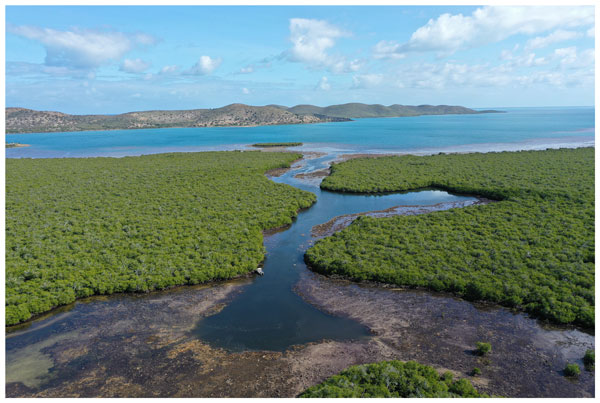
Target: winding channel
{"points": [[277, 334]]}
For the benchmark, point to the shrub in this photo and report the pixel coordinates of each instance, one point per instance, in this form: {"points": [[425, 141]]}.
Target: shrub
{"points": [[572, 370], [589, 360], [483, 348], [392, 379], [476, 371]]}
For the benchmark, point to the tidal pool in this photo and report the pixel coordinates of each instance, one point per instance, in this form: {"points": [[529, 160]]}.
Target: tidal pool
{"points": [[275, 335]]}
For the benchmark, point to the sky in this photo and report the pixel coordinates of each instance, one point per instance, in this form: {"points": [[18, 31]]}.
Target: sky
{"points": [[115, 59]]}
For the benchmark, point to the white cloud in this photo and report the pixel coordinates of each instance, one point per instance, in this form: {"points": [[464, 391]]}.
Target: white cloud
{"points": [[82, 49], [312, 39], [591, 32], [245, 91], [134, 66], [324, 84], [205, 66], [367, 80], [444, 76], [247, 70], [169, 69], [523, 60], [566, 55], [572, 59], [557, 36], [387, 50], [449, 33], [356, 64]]}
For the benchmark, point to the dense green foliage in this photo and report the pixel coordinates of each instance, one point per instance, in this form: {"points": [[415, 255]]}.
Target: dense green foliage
{"points": [[572, 370], [589, 360], [483, 348], [533, 250], [266, 145], [392, 379], [77, 227]]}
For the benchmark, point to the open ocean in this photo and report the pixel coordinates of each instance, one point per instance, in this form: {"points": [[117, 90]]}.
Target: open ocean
{"points": [[517, 129]]}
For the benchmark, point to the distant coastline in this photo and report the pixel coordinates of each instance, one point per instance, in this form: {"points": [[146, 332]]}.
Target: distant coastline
{"points": [[15, 145], [22, 120]]}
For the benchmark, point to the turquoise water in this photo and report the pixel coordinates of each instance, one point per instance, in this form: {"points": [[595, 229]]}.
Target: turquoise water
{"points": [[518, 128]]}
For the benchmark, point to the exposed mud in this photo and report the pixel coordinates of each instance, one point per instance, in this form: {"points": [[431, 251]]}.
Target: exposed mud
{"points": [[321, 173], [338, 223], [141, 346], [306, 155], [527, 358]]}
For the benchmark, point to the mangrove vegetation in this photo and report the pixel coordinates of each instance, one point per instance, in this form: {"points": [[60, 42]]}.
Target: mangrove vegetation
{"points": [[82, 226], [392, 379], [532, 250]]}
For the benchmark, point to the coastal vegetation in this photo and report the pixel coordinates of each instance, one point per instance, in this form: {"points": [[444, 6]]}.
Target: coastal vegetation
{"points": [[483, 348], [532, 250], [589, 360], [572, 370], [267, 145], [76, 227], [392, 379]]}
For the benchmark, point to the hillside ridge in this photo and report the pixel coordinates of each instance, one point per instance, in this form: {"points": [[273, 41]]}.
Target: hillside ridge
{"points": [[23, 120]]}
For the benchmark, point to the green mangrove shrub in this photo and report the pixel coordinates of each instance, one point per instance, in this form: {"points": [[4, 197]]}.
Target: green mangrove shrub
{"points": [[532, 250], [392, 379], [77, 227], [572, 370]]}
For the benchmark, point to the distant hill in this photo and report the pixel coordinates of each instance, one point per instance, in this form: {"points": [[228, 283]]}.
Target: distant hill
{"points": [[357, 110], [21, 120]]}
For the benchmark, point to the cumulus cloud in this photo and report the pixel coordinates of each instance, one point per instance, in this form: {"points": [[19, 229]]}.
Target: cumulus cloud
{"points": [[205, 66], [388, 50], [312, 40], [82, 49], [247, 70], [556, 36], [450, 33], [572, 58], [135, 66], [324, 84], [245, 91]]}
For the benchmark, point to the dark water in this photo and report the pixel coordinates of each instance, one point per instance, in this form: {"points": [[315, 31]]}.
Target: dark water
{"points": [[268, 315]]}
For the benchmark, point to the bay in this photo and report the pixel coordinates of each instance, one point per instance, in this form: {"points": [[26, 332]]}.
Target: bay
{"points": [[516, 129]]}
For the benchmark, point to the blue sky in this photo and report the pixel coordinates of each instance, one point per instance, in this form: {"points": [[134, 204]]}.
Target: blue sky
{"points": [[92, 59]]}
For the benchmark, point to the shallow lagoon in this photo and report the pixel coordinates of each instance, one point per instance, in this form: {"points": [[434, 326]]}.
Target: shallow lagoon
{"points": [[518, 128]]}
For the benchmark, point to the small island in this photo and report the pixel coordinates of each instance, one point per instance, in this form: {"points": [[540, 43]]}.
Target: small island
{"points": [[16, 145], [268, 145]]}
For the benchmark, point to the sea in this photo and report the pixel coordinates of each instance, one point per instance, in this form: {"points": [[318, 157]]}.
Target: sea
{"points": [[513, 129]]}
